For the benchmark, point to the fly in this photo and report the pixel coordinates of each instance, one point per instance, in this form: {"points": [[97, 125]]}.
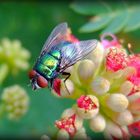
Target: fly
{"points": [[56, 56]]}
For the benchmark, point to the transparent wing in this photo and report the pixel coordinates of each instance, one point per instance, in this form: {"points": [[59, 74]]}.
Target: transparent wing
{"points": [[75, 52], [57, 35]]}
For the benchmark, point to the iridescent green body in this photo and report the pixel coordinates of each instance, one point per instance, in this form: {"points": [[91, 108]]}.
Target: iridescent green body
{"points": [[47, 64]]}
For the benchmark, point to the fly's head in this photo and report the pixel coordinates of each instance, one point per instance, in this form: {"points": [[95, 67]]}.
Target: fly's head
{"points": [[37, 81]]}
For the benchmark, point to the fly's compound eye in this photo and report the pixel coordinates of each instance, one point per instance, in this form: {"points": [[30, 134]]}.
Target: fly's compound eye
{"points": [[42, 82], [32, 74]]}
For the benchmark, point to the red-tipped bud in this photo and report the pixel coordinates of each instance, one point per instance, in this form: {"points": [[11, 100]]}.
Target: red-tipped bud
{"points": [[134, 128], [57, 86], [87, 106], [67, 124]]}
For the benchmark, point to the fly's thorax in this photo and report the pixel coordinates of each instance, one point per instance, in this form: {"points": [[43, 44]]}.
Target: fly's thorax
{"points": [[48, 63], [56, 54]]}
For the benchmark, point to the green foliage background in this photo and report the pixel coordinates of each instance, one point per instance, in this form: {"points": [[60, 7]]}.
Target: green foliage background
{"points": [[109, 16], [31, 23]]}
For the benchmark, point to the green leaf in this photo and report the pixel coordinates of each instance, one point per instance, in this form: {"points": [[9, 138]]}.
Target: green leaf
{"points": [[117, 23], [96, 23], [90, 8], [117, 6], [133, 21]]}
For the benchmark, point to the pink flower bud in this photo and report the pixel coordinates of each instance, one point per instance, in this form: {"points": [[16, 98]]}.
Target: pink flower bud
{"points": [[56, 86], [116, 59], [67, 124], [134, 128], [70, 122], [87, 106], [134, 61]]}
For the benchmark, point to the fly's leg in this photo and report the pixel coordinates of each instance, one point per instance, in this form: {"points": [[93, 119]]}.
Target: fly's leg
{"points": [[68, 75], [51, 83]]}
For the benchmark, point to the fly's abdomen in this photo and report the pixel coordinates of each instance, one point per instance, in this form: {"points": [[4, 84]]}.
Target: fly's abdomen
{"points": [[47, 65]]}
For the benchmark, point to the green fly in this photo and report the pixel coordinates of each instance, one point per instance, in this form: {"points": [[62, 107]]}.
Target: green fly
{"points": [[56, 56]]}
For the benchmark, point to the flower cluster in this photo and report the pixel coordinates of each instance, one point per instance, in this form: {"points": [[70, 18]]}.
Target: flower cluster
{"points": [[15, 102], [106, 87], [13, 57]]}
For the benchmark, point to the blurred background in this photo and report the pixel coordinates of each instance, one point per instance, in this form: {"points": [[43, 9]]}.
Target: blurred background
{"points": [[30, 23]]}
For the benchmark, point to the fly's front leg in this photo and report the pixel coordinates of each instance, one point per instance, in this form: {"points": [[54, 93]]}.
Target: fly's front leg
{"points": [[68, 75], [51, 83]]}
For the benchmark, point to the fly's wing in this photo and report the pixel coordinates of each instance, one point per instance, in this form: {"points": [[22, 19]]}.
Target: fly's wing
{"points": [[57, 35], [75, 52]]}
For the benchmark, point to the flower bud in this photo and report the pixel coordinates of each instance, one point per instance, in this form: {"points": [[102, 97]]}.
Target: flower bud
{"points": [[134, 128], [70, 122], [124, 118], [97, 54], [63, 135], [56, 87], [16, 101], [87, 106], [45, 137], [126, 87], [86, 70], [128, 71], [78, 120], [116, 132], [63, 89], [134, 106], [136, 117], [100, 85], [133, 97], [117, 102], [111, 75], [74, 76], [134, 61], [68, 112], [112, 130], [116, 59], [67, 88], [80, 134], [98, 123]]}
